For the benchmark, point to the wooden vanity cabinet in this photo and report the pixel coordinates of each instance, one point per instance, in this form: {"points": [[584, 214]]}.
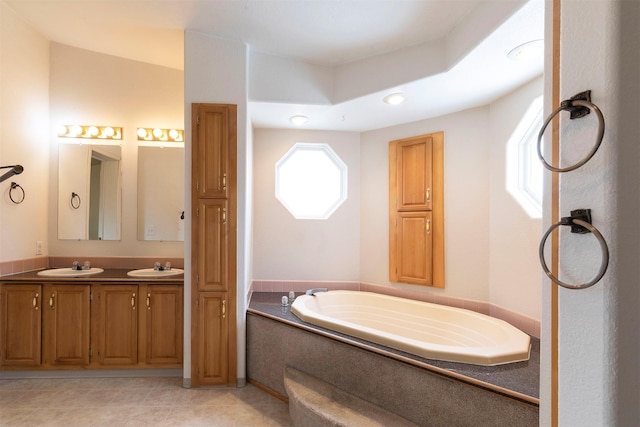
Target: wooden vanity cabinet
{"points": [[161, 325], [115, 320], [45, 325], [21, 325], [65, 325], [91, 325], [138, 325]]}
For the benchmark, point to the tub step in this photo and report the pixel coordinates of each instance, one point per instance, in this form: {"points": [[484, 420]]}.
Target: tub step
{"points": [[315, 403]]}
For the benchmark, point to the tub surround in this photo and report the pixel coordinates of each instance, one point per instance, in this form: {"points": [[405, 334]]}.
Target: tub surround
{"points": [[518, 380], [423, 391], [526, 324]]}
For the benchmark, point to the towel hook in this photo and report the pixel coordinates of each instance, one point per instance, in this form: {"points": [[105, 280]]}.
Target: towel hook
{"points": [[579, 106], [580, 222], [15, 185]]}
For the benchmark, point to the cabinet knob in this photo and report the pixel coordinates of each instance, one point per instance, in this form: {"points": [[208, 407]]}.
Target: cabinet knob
{"points": [[35, 301], [148, 301], [133, 301], [51, 301], [428, 226]]}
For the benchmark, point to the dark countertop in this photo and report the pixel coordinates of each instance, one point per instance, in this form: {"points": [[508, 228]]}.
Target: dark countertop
{"points": [[519, 379], [107, 276]]}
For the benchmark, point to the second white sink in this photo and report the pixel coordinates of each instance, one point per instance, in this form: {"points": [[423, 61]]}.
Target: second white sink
{"points": [[151, 273]]}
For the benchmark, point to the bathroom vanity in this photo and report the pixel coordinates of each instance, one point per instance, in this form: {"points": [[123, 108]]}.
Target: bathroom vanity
{"points": [[104, 321]]}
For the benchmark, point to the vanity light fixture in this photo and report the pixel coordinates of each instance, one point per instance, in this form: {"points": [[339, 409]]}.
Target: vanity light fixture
{"points": [[158, 134], [90, 132], [527, 51], [394, 98], [299, 120]]}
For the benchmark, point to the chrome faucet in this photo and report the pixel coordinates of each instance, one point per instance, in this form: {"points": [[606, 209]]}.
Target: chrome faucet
{"points": [[313, 291]]}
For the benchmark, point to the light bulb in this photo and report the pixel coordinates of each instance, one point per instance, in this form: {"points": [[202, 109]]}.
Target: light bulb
{"points": [[142, 133], [157, 132]]}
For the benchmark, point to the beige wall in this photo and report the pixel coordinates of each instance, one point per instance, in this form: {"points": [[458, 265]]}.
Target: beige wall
{"points": [[286, 248], [24, 127]]}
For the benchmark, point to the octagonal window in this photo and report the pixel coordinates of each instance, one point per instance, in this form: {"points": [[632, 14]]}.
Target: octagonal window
{"points": [[524, 169], [311, 181]]}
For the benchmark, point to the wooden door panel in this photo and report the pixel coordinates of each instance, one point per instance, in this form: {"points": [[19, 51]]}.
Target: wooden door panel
{"points": [[212, 245], [117, 324], [164, 324], [66, 324], [414, 174], [20, 332], [414, 247], [213, 363]]}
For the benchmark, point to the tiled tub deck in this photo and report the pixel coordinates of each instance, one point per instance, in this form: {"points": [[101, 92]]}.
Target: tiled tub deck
{"points": [[427, 392]]}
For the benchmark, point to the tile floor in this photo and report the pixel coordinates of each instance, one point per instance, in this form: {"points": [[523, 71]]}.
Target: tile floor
{"points": [[134, 402]]}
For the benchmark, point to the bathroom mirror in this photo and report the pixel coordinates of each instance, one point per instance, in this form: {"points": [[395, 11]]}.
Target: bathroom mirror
{"points": [[161, 193], [89, 192]]}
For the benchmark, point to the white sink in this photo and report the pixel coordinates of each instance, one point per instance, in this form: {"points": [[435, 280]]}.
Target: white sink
{"points": [[69, 272], [151, 273]]}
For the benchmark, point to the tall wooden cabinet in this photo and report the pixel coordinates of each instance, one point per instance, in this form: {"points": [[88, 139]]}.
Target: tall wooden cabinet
{"points": [[416, 210], [214, 229]]}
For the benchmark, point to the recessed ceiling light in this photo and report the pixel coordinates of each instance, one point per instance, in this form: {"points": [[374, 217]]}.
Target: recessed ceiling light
{"points": [[527, 51], [298, 120], [394, 98]]}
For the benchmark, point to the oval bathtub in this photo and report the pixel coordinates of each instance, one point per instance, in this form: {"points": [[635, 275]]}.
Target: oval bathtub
{"points": [[428, 330]]}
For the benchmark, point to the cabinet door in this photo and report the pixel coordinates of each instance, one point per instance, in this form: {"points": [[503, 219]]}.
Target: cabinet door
{"points": [[214, 129], [414, 170], [163, 324], [65, 323], [212, 239], [117, 324], [20, 330], [413, 248], [212, 358]]}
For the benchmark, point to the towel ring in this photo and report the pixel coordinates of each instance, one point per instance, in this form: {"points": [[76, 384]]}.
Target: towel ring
{"points": [[75, 204], [570, 105], [13, 187], [603, 246]]}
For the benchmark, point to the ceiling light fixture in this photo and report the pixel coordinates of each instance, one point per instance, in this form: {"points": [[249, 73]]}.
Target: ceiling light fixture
{"points": [[527, 51], [394, 98], [298, 120]]}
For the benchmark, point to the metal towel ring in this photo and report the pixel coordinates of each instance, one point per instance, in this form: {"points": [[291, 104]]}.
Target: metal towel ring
{"points": [[15, 185], [570, 105], [603, 246], [75, 204]]}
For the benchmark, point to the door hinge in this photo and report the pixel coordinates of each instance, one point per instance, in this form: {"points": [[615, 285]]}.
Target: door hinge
{"points": [[198, 120], [90, 296], [197, 186], [198, 212], [197, 278]]}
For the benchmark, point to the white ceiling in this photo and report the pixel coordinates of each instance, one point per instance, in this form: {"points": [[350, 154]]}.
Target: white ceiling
{"points": [[474, 37]]}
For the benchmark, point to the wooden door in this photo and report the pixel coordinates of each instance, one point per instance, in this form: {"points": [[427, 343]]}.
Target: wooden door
{"points": [[414, 171], [212, 244], [163, 324], [65, 325], [414, 247], [20, 328], [117, 324], [215, 127], [212, 358]]}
